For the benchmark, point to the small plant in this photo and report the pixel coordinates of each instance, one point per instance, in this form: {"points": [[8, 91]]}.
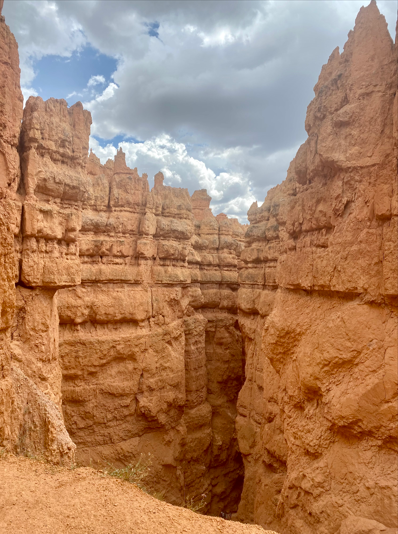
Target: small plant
{"points": [[135, 474], [31, 456], [3, 452], [160, 496], [195, 505], [73, 466]]}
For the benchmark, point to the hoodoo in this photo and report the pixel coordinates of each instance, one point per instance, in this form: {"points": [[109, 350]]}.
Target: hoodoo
{"points": [[257, 365]]}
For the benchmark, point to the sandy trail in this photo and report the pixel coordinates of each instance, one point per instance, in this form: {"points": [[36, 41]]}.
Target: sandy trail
{"points": [[39, 498]]}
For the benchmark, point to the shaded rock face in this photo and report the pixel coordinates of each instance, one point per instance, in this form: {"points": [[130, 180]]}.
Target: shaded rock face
{"points": [[118, 309], [133, 321], [318, 309], [141, 336], [30, 372]]}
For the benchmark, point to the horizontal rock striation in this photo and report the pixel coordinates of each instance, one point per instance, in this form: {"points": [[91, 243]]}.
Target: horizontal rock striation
{"points": [[107, 338], [318, 308], [30, 375], [127, 265], [133, 322]]}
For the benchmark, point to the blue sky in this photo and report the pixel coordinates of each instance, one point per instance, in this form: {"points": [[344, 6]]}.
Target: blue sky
{"points": [[59, 77], [212, 93]]}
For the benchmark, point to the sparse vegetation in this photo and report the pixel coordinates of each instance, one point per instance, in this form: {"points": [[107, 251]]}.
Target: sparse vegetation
{"points": [[196, 504], [135, 474]]}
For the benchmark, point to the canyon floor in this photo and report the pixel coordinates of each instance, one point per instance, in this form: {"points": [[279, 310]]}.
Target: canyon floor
{"points": [[41, 498], [256, 364]]}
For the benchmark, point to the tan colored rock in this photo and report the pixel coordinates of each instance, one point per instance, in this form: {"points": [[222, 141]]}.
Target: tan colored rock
{"points": [[201, 205], [11, 102], [317, 412], [102, 504], [361, 525], [156, 327], [30, 378]]}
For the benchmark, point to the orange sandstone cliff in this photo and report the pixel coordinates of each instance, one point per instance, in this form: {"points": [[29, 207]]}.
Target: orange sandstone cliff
{"points": [[317, 415], [134, 321], [119, 310]]}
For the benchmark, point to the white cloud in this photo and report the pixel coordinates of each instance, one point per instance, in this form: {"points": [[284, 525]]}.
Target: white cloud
{"points": [[40, 30], [96, 80], [219, 98], [103, 153], [230, 191], [105, 95], [72, 94], [27, 92]]}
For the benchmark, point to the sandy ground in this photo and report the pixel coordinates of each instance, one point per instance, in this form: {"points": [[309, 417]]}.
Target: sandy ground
{"points": [[39, 498]]}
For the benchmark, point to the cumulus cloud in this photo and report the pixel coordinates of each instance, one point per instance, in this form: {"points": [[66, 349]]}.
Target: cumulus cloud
{"points": [[107, 94], [96, 80], [230, 191], [217, 91], [41, 30]]}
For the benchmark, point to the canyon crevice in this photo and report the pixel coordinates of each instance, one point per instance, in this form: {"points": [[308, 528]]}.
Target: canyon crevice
{"points": [[256, 364]]}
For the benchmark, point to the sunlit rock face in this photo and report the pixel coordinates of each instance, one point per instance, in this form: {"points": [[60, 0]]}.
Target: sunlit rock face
{"points": [[109, 320], [134, 321], [137, 339], [317, 308], [30, 374]]}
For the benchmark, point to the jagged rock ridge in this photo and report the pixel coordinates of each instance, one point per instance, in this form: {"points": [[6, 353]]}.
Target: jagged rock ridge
{"points": [[124, 315], [125, 327], [317, 423]]}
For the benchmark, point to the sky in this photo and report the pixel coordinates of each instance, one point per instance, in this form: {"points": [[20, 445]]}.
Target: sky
{"points": [[212, 93]]}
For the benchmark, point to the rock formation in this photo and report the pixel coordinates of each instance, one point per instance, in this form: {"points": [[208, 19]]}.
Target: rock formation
{"points": [[30, 372], [134, 321], [124, 318], [317, 423]]}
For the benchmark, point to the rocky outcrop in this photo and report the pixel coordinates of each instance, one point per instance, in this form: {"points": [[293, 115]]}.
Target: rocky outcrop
{"points": [[135, 322], [119, 268], [30, 375], [318, 308], [217, 244], [11, 102]]}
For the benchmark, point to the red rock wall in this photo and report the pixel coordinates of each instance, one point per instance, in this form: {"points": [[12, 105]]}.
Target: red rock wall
{"points": [[134, 353], [30, 376], [125, 326], [317, 423], [217, 244]]}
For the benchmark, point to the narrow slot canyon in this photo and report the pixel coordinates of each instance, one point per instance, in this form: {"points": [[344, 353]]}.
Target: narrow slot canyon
{"points": [[166, 385], [254, 364]]}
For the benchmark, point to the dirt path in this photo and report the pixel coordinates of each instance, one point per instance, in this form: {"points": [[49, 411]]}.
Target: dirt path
{"points": [[38, 498]]}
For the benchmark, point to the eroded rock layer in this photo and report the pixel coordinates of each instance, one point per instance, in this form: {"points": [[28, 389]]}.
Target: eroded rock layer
{"points": [[30, 373], [133, 321], [108, 336], [317, 415], [135, 351]]}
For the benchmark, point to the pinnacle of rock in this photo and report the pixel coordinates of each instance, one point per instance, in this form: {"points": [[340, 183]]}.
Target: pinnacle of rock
{"points": [[256, 364]]}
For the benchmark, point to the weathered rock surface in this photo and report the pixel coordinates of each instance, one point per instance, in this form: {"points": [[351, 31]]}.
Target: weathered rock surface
{"points": [[135, 350], [135, 321], [317, 423], [30, 374], [129, 302], [11, 101]]}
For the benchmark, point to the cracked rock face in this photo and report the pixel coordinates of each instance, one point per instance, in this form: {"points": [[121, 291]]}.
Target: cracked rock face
{"points": [[30, 373], [121, 336], [135, 322], [317, 302]]}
